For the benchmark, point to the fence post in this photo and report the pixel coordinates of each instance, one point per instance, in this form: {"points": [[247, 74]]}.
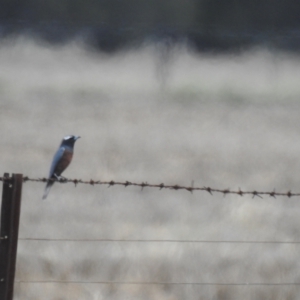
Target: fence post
{"points": [[9, 230]]}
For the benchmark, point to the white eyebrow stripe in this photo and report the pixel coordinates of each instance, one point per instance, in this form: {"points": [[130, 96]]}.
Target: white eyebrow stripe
{"points": [[68, 137]]}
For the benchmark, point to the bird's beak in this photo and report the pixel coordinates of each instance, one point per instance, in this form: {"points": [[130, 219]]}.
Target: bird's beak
{"points": [[77, 137]]}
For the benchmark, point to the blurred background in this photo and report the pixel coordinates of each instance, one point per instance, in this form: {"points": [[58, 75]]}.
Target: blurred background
{"points": [[109, 25], [174, 92]]}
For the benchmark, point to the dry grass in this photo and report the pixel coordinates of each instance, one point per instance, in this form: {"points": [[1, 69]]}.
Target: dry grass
{"points": [[222, 121]]}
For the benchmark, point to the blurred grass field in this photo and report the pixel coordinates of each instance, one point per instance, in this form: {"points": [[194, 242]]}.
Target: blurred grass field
{"points": [[155, 115]]}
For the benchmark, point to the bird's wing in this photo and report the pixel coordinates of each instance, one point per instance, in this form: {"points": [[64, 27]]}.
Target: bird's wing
{"points": [[57, 157]]}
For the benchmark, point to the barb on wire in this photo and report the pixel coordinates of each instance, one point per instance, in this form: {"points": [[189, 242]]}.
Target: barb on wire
{"points": [[161, 186]]}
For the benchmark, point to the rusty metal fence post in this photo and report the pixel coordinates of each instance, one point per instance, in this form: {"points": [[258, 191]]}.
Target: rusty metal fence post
{"points": [[9, 231]]}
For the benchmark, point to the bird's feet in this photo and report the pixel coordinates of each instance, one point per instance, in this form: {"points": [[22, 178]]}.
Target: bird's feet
{"points": [[61, 179]]}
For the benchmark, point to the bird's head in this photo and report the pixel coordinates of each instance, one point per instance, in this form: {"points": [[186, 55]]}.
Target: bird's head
{"points": [[69, 140]]}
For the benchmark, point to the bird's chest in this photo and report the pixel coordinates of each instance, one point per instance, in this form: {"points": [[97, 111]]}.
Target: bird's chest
{"points": [[64, 162]]}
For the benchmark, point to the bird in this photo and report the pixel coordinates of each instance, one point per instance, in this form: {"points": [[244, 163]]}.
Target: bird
{"points": [[61, 160]]}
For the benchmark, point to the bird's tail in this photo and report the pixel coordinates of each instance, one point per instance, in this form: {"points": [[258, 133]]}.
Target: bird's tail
{"points": [[47, 189]]}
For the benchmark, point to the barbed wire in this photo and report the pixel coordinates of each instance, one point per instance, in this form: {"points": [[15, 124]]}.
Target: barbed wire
{"points": [[160, 186], [175, 187]]}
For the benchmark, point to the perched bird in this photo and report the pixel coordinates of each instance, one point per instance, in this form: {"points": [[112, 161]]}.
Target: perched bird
{"points": [[61, 160]]}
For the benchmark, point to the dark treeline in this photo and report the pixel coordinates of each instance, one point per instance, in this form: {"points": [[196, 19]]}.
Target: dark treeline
{"points": [[111, 24]]}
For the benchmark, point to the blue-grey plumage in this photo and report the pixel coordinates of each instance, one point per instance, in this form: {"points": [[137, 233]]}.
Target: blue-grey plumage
{"points": [[61, 160]]}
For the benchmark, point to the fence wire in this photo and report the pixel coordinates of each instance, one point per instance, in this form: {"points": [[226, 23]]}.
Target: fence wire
{"points": [[175, 187], [248, 284], [103, 240]]}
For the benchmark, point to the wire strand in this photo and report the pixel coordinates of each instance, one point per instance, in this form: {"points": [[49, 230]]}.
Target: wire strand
{"points": [[175, 187], [158, 283], [156, 241]]}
